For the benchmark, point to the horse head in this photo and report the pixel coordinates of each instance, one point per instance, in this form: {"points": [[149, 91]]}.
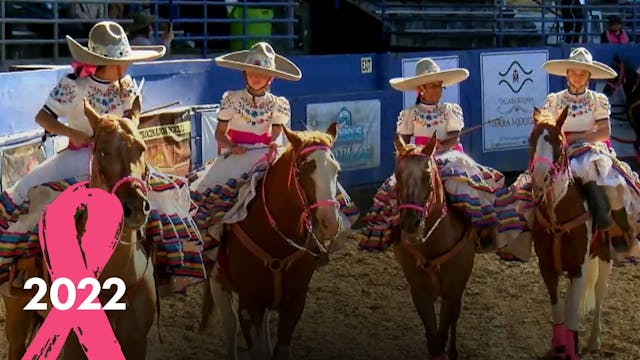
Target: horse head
{"points": [[547, 158], [314, 170], [418, 185], [117, 162]]}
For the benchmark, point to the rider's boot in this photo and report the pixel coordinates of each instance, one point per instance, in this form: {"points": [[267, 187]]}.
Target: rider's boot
{"points": [[598, 205]]}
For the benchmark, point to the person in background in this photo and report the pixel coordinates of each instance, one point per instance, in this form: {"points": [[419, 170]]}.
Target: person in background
{"points": [[573, 15], [614, 34], [140, 31]]}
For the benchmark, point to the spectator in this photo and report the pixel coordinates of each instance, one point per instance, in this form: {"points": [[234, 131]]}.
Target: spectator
{"points": [[614, 34], [140, 31], [89, 12], [573, 14]]}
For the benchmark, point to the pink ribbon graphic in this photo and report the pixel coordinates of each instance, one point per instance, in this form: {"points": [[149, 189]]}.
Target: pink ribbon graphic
{"points": [[59, 240]]}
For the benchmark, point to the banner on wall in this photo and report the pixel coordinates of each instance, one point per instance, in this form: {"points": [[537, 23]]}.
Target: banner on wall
{"points": [[18, 160], [450, 93], [512, 84], [358, 143], [167, 135]]}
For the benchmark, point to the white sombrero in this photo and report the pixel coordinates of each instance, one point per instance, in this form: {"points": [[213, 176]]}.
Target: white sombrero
{"points": [[261, 58], [427, 71], [580, 58], [108, 45]]}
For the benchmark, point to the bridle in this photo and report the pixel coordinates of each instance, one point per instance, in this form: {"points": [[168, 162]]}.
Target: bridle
{"points": [[306, 220], [558, 168], [435, 198]]}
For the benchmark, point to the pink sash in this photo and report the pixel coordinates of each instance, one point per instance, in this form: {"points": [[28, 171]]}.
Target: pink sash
{"points": [[248, 138], [422, 140]]}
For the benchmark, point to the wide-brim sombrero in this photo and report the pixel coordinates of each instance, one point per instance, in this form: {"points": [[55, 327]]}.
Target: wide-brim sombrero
{"points": [[581, 59], [261, 59], [427, 71], [108, 45]]}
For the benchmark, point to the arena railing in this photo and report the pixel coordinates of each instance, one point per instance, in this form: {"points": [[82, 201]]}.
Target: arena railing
{"points": [[33, 31], [503, 20]]}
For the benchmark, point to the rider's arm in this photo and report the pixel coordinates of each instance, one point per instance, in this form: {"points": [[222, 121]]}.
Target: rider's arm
{"points": [[221, 134], [453, 137], [601, 132], [602, 128], [404, 125], [51, 124], [276, 130], [454, 123]]}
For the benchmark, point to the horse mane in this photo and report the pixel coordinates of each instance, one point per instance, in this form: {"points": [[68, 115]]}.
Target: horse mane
{"points": [[114, 124], [408, 150], [312, 137]]}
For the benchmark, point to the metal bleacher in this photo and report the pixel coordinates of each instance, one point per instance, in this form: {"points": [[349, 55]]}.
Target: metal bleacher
{"points": [[33, 31]]}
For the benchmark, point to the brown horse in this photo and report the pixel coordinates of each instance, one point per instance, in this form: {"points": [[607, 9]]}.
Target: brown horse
{"points": [[268, 258], [118, 166], [562, 232], [435, 246]]}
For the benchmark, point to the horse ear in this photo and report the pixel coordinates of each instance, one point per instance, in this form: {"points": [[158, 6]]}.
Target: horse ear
{"points": [[91, 114], [430, 148], [293, 138], [399, 142], [536, 115], [561, 119], [332, 130], [136, 109]]}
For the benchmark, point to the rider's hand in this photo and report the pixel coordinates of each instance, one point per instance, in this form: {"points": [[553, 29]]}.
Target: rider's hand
{"points": [[79, 138], [236, 149]]}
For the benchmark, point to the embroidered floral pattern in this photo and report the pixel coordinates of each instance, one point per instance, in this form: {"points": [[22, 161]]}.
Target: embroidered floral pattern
{"points": [[428, 116], [64, 92], [107, 100], [255, 111]]}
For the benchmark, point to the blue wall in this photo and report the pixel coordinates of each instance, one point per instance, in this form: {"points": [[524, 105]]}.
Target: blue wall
{"points": [[326, 78]]}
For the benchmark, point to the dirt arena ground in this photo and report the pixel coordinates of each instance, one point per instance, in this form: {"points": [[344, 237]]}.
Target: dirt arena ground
{"points": [[359, 307]]}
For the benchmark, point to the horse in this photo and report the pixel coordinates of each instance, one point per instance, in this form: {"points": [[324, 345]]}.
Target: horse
{"points": [[627, 80], [117, 165], [435, 246], [269, 257], [562, 233]]}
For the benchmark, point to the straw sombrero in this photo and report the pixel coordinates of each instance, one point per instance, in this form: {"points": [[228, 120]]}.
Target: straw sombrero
{"points": [[108, 45], [427, 71], [580, 58], [261, 59]]}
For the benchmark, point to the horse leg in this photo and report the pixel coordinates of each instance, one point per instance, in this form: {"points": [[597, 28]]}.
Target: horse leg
{"points": [[16, 326], [223, 302], [449, 314], [289, 317], [604, 270], [251, 322], [572, 310], [550, 278]]}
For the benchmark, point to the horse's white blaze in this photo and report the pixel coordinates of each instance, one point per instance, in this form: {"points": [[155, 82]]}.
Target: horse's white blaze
{"points": [[543, 150], [325, 178]]}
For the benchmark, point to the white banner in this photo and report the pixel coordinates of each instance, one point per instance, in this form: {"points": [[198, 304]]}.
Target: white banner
{"points": [[512, 84], [450, 94], [358, 143]]}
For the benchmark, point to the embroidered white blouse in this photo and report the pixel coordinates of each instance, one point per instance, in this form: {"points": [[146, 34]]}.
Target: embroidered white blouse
{"points": [[584, 109], [65, 100], [423, 120]]}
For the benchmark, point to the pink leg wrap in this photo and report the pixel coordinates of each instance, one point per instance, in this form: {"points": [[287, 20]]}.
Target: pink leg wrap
{"points": [[440, 357], [559, 340], [571, 345]]}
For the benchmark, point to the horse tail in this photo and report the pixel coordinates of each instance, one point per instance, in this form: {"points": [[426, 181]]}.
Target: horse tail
{"points": [[588, 299], [207, 304]]}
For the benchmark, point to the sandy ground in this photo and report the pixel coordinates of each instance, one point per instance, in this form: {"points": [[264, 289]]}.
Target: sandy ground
{"points": [[359, 308]]}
